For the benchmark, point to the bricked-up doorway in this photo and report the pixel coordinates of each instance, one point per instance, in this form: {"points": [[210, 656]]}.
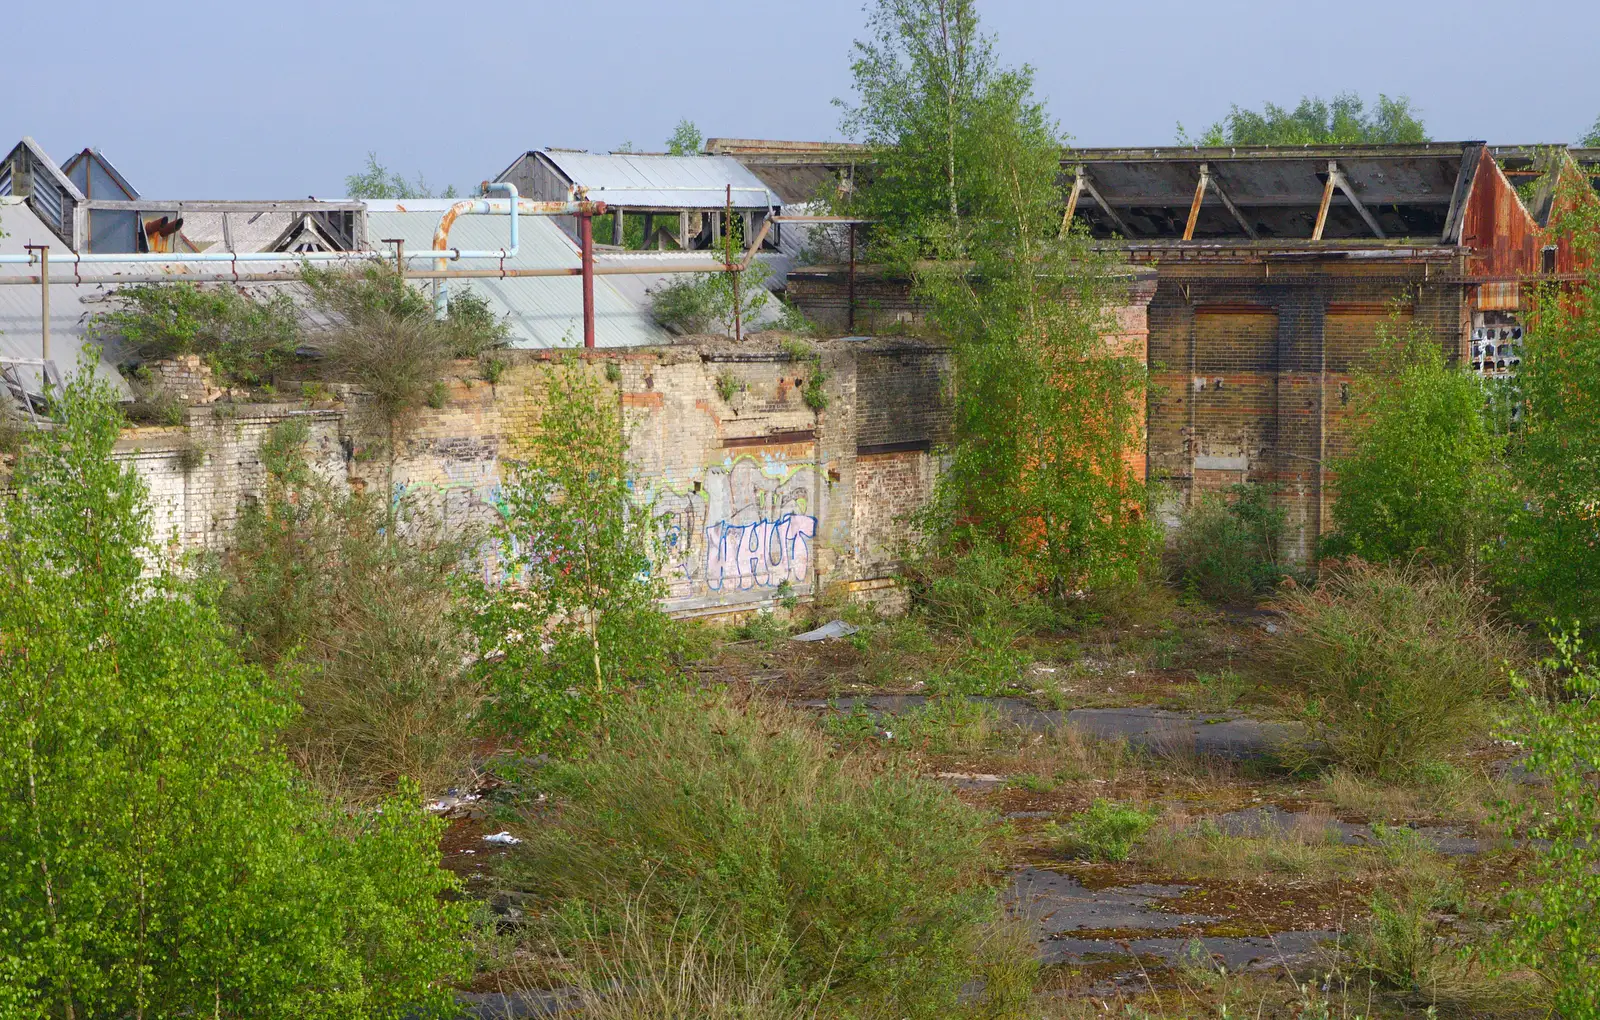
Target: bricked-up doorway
{"points": [[1232, 394]]}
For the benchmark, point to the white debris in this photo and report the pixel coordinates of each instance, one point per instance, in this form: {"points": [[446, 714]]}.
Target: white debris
{"points": [[831, 629], [503, 838], [971, 777]]}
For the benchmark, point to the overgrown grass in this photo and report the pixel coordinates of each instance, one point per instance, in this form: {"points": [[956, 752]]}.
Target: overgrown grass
{"points": [[1397, 664], [1227, 546], [1107, 831], [355, 607], [868, 888]]}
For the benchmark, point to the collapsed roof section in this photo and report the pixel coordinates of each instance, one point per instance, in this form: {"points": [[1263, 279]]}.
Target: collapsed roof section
{"points": [[1344, 193]]}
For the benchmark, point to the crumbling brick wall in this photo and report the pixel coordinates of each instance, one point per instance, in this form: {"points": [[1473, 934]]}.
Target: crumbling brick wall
{"points": [[762, 493], [1252, 363]]}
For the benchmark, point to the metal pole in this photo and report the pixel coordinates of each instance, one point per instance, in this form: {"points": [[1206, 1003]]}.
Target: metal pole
{"points": [[44, 297], [727, 256], [851, 284], [586, 236]]}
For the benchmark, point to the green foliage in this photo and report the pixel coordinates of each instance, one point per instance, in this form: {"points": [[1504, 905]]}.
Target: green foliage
{"points": [[1106, 831], [869, 889], [378, 181], [493, 370], [1551, 561], [685, 140], [1396, 662], [991, 602], [244, 338], [729, 386], [1047, 414], [1345, 121], [374, 295], [1555, 910], [161, 857], [1591, 138], [576, 621], [1227, 549], [360, 609], [1423, 477], [697, 303]]}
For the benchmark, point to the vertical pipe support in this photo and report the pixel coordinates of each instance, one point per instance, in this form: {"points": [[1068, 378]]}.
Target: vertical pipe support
{"points": [[44, 304], [586, 237], [850, 293]]}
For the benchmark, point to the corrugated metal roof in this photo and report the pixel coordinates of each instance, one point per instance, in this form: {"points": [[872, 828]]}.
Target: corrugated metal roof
{"points": [[543, 312], [631, 180], [70, 307]]}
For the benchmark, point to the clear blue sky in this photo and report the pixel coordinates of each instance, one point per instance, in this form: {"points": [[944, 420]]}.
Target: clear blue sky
{"points": [[239, 99]]}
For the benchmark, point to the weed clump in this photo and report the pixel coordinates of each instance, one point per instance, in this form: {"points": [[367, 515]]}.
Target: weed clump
{"points": [[1107, 831], [869, 889], [357, 607], [1397, 663], [1227, 547]]}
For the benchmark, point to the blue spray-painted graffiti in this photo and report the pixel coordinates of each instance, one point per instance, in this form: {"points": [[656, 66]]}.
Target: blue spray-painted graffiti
{"points": [[763, 554]]}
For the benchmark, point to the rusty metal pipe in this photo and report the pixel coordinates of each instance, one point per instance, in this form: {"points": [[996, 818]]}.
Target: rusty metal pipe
{"points": [[513, 205], [586, 237]]}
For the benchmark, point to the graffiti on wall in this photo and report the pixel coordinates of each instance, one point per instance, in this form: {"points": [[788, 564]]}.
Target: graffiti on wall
{"points": [[744, 524]]}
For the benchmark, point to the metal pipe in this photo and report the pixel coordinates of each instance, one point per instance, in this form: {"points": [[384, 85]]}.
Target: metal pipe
{"points": [[586, 236], [513, 205], [184, 258], [286, 276], [44, 297]]}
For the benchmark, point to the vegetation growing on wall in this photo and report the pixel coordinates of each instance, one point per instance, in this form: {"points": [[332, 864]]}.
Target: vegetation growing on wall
{"points": [[161, 857], [243, 337], [361, 614], [965, 188], [1315, 121], [575, 621]]}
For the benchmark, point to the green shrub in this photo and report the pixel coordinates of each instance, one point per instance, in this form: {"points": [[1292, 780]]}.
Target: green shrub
{"points": [[161, 857], [358, 607], [1107, 831], [1423, 477], [869, 888], [576, 619], [991, 602], [1396, 663], [244, 338], [1227, 548], [1555, 910], [1550, 562]]}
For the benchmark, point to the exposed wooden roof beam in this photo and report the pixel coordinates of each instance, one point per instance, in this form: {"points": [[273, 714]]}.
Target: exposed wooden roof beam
{"points": [[1194, 206], [1227, 202], [1337, 175], [1072, 201], [1105, 207], [1327, 200]]}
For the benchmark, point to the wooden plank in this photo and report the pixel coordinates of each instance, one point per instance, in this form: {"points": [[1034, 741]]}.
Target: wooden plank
{"points": [[1072, 201], [1222, 193], [1194, 206], [1105, 207], [1350, 193], [1327, 199]]}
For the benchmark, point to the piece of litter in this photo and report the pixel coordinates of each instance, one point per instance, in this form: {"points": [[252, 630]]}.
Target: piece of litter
{"points": [[1132, 672], [504, 838], [888, 734], [971, 777], [829, 630]]}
